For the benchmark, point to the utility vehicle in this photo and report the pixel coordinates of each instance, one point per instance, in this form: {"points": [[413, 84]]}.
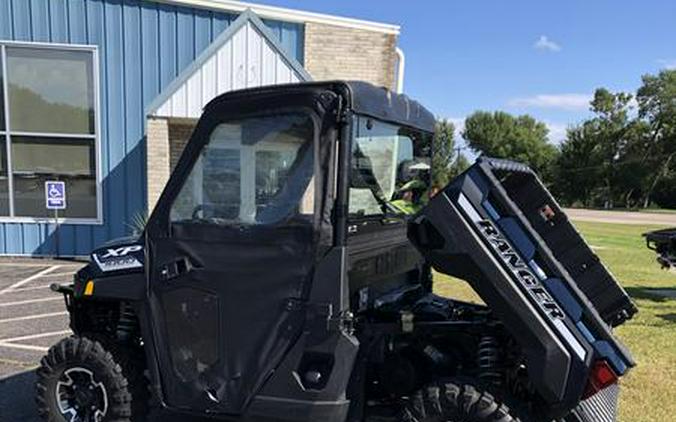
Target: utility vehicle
{"points": [[663, 242], [275, 281]]}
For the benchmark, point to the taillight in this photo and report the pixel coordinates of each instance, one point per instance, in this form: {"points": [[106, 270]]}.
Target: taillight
{"points": [[601, 376]]}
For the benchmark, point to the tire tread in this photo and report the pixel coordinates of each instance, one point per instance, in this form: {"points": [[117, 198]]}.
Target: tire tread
{"points": [[456, 400], [115, 366]]}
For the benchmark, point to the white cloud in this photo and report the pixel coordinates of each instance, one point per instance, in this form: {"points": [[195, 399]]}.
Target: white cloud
{"points": [[544, 43], [557, 132], [633, 104], [558, 101], [669, 64], [459, 123]]}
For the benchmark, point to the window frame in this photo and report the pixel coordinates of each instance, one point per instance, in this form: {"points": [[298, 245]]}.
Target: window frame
{"points": [[7, 133], [314, 140], [358, 219]]}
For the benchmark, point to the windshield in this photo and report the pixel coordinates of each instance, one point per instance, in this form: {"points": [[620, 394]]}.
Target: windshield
{"points": [[256, 170], [390, 169]]}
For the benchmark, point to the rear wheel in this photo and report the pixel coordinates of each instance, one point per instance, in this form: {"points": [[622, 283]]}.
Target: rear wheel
{"points": [[456, 401], [80, 380]]}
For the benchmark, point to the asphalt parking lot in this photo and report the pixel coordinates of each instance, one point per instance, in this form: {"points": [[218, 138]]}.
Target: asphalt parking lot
{"points": [[32, 318]]}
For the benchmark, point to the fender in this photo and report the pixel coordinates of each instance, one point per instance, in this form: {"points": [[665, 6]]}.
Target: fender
{"points": [[115, 272], [123, 287]]}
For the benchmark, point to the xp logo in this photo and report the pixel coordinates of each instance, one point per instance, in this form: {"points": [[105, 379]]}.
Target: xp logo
{"points": [[118, 258], [111, 253]]}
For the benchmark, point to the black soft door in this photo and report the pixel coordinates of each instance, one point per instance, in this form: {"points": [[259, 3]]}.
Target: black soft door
{"points": [[227, 275]]}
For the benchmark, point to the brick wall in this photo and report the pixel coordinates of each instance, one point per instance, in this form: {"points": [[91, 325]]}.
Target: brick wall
{"points": [[166, 140], [179, 134], [333, 52], [157, 149]]}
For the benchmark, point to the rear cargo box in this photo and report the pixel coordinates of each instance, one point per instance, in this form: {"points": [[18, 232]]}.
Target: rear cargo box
{"points": [[497, 227], [525, 191]]}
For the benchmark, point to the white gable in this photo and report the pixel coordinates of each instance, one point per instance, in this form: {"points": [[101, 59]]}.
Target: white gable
{"points": [[244, 56]]}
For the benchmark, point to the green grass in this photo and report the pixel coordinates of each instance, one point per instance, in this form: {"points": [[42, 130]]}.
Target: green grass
{"points": [[638, 210], [649, 391], [658, 210]]}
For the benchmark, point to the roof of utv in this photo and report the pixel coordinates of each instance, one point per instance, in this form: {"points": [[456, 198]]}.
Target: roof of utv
{"points": [[362, 97]]}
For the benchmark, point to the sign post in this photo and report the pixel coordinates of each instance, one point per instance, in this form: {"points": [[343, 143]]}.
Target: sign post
{"points": [[55, 199]]}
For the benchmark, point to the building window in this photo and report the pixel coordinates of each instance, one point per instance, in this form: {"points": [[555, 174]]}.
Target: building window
{"points": [[48, 129], [4, 181]]}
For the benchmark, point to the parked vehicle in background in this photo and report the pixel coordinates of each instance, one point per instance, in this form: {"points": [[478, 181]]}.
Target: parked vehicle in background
{"points": [[663, 242], [286, 275]]}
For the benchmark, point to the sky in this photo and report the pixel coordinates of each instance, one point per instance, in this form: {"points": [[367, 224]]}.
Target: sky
{"points": [[544, 58]]}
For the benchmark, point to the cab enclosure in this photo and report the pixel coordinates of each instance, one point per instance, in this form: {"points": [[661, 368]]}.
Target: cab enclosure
{"points": [[278, 278]]}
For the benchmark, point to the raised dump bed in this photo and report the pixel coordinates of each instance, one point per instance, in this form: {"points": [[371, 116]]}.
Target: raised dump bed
{"points": [[497, 227], [525, 191]]}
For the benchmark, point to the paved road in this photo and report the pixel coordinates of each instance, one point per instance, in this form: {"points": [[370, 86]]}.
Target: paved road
{"points": [[622, 217]]}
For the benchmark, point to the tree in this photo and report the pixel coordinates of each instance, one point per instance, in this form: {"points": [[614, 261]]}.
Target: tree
{"points": [[657, 106], [577, 166], [502, 135], [447, 162], [618, 157], [610, 129], [603, 160], [460, 164], [664, 194]]}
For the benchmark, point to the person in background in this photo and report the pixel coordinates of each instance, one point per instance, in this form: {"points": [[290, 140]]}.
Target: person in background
{"points": [[411, 197]]}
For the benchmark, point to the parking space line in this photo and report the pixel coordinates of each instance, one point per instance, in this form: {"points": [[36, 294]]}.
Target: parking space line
{"points": [[16, 363], [22, 264], [34, 336], [28, 317], [29, 279], [62, 274], [41, 264], [24, 347], [25, 289], [27, 302]]}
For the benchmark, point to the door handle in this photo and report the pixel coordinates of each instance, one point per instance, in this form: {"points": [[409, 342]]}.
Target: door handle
{"points": [[175, 268]]}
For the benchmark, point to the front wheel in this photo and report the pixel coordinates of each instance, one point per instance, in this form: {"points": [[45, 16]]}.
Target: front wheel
{"points": [[79, 380], [453, 401]]}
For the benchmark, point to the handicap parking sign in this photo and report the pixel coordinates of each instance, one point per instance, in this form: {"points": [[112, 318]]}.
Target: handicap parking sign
{"points": [[55, 195]]}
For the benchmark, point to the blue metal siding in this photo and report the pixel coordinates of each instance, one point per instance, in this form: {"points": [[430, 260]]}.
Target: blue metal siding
{"points": [[143, 46], [291, 37]]}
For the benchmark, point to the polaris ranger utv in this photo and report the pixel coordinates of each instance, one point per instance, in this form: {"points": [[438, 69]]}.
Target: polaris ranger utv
{"points": [[276, 281]]}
